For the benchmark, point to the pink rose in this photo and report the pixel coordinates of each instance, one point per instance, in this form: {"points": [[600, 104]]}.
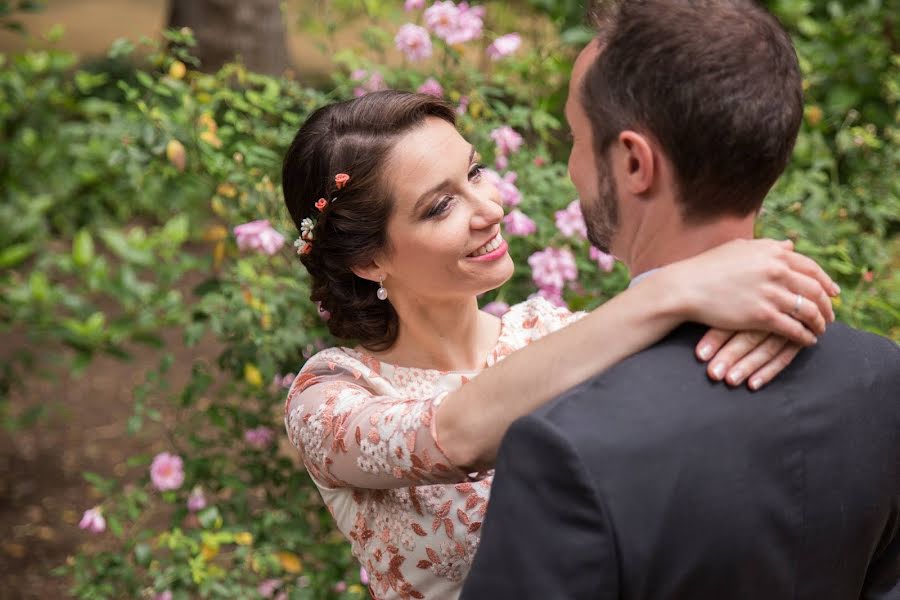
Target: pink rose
{"points": [[432, 88], [340, 587], [507, 139], [167, 471], [570, 221], [504, 45], [367, 82], [258, 235], [496, 308], [166, 595], [552, 268], [463, 105], [518, 223], [93, 520], [506, 185], [259, 437], [414, 42], [605, 261], [268, 587], [501, 162], [455, 24], [363, 576], [413, 5], [196, 501], [553, 295]]}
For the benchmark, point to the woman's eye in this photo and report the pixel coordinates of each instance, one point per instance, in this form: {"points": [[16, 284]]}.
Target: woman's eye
{"points": [[440, 208], [476, 171]]}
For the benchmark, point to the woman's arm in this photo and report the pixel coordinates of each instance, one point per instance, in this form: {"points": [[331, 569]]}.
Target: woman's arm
{"points": [[740, 285]]}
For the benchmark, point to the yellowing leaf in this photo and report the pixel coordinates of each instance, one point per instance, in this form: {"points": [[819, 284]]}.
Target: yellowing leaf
{"points": [[177, 70], [218, 254], [244, 538], [252, 375], [209, 551], [211, 138], [215, 233], [176, 154], [290, 562], [227, 190]]}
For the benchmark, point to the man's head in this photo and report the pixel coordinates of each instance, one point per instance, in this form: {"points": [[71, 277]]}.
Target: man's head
{"points": [[692, 102]]}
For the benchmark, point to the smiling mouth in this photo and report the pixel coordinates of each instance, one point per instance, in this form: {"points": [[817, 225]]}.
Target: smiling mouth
{"points": [[489, 247]]}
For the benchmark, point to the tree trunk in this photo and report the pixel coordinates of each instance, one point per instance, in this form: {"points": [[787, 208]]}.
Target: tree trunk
{"points": [[249, 30]]}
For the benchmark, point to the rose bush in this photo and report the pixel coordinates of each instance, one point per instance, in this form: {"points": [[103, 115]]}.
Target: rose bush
{"points": [[140, 194]]}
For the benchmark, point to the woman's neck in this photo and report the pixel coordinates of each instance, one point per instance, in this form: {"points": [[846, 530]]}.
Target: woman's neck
{"points": [[447, 336]]}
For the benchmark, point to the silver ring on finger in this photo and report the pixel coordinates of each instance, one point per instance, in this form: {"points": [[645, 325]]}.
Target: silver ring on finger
{"points": [[797, 304]]}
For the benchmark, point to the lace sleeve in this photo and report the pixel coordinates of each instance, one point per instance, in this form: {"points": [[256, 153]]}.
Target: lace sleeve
{"points": [[349, 436]]}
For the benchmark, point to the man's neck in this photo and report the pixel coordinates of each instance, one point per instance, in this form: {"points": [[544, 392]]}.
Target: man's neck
{"points": [[677, 241]]}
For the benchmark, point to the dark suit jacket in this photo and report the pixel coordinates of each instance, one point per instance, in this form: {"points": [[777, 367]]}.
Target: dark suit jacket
{"points": [[651, 482]]}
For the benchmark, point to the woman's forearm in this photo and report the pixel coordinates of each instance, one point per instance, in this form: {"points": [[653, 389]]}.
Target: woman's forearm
{"points": [[472, 420]]}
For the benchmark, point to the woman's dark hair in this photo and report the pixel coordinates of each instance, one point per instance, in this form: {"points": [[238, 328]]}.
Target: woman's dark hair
{"points": [[354, 137]]}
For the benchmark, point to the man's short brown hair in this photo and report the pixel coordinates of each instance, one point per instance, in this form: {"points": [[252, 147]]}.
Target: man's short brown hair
{"points": [[715, 82]]}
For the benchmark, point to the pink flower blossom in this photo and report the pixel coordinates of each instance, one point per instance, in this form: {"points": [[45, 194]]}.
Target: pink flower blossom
{"points": [[196, 500], [413, 5], [553, 295], [552, 268], [414, 42], [605, 261], [167, 471], [463, 105], [268, 587], [455, 24], [469, 24], [504, 46], [506, 185], [501, 162], [431, 87], [518, 223], [507, 139], [93, 520], [283, 381], [340, 587], [496, 308], [363, 576], [258, 235], [570, 221], [373, 82], [259, 437], [166, 595]]}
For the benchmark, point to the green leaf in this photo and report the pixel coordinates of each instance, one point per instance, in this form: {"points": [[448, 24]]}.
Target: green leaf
{"points": [[143, 554], [83, 248], [13, 255], [120, 245]]}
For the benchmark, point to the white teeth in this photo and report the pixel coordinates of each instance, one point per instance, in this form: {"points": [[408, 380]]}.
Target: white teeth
{"points": [[489, 247]]}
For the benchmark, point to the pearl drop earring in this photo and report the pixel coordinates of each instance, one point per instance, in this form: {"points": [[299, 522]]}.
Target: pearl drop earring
{"points": [[382, 292]]}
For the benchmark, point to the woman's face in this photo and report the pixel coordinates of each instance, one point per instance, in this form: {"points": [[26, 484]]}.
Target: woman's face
{"points": [[444, 231]]}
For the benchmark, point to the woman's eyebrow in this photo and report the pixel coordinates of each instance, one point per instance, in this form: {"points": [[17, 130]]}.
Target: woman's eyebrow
{"points": [[428, 193]]}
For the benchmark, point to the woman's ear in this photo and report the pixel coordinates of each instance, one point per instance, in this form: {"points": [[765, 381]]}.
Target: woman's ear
{"points": [[637, 162], [371, 271]]}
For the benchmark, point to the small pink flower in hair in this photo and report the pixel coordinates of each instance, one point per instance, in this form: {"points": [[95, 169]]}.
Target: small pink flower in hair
{"points": [[321, 203], [341, 179]]}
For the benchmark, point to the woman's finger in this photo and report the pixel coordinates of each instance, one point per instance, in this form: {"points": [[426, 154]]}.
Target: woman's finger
{"points": [[805, 264], [811, 290], [710, 343], [798, 307], [755, 359], [733, 351], [775, 366]]}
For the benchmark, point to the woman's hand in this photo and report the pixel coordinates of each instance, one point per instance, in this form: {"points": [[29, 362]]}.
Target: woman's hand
{"points": [[756, 285], [752, 356]]}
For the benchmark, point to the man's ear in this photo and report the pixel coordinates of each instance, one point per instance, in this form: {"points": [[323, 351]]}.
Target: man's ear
{"points": [[637, 162]]}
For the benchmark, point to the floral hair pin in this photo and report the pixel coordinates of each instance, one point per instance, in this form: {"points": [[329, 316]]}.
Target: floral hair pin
{"points": [[303, 244]]}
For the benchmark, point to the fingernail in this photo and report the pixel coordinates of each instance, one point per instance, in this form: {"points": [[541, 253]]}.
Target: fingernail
{"points": [[735, 377], [718, 371], [706, 352], [835, 288], [755, 383]]}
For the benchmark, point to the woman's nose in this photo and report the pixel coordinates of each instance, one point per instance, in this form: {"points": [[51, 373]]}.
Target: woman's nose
{"points": [[488, 211]]}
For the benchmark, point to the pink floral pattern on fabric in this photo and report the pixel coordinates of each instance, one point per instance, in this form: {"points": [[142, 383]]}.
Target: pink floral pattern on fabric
{"points": [[364, 429]]}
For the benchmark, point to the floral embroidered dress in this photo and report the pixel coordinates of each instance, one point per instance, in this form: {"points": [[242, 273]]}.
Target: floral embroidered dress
{"points": [[365, 431]]}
